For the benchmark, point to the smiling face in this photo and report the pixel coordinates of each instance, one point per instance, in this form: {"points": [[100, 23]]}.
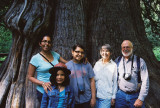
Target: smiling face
{"points": [[45, 44], [105, 53], [78, 54], [127, 48], [60, 77]]}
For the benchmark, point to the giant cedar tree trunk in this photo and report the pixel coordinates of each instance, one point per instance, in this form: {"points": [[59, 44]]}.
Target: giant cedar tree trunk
{"points": [[89, 22]]}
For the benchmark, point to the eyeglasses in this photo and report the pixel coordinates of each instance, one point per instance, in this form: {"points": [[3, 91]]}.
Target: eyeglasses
{"points": [[127, 47], [45, 41], [79, 52]]}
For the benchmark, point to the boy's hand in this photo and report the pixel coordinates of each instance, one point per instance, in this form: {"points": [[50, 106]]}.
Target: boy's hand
{"points": [[112, 102], [93, 102], [85, 61]]}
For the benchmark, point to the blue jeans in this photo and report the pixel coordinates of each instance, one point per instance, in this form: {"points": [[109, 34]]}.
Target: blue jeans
{"points": [[103, 103], [124, 100]]}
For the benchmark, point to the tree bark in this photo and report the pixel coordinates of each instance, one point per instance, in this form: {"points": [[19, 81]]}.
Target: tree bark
{"points": [[88, 22]]}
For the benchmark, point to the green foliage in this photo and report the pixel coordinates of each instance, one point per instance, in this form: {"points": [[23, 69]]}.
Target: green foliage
{"points": [[151, 18], [5, 34], [2, 58], [156, 51], [5, 40]]}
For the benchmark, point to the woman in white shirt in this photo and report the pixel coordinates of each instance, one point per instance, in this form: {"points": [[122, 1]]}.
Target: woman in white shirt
{"points": [[105, 71]]}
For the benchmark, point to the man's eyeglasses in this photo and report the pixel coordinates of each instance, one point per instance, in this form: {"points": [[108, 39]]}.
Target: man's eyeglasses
{"points": [[79, 52], [45, 41], [127, 47]]}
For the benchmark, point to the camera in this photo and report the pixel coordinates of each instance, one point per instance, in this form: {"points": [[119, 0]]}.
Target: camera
{"points": [[80, 91], [127, 76]]}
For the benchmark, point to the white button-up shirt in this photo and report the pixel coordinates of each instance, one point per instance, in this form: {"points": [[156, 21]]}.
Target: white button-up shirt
{"points": [[106, 79]]}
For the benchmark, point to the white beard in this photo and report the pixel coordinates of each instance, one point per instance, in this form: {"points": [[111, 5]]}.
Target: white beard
{"points": [[128, 54]]}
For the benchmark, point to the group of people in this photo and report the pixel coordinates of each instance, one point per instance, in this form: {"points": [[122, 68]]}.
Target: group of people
{"points": [[122, 83]]}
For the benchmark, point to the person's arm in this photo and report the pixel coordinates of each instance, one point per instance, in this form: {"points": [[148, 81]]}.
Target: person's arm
{"points": [[114, 86], [31, 73], [95, 70], [62, 60], [93, 92], [44, 102], [145, 84]]}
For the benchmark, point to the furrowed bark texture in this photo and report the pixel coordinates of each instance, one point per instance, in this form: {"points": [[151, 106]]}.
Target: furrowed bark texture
{"points": [[88, 22]]}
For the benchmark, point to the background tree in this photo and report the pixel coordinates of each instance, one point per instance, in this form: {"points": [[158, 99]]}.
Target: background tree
{"points": [[4, 5], [91, 23], [151, 17], [5, 34]]}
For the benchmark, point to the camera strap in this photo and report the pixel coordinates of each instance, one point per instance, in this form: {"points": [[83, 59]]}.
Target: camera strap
{"points": [[131, 65], [76, 75], [138, 67], [46, 59]]}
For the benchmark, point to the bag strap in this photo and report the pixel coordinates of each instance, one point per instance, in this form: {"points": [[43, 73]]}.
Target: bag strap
{"points": [[138, 66], [46, 59], [118, 61]]}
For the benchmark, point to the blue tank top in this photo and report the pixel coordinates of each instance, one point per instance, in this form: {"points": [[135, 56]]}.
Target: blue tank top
{"points": [[61, 99]]}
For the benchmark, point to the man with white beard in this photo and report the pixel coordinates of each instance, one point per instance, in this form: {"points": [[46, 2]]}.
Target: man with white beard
{"points": [[133, 81]]}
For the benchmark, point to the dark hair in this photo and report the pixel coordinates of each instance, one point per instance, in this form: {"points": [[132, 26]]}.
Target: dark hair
{"points": [[41, 38], [77, 45], [81, 46], [65, 82]]}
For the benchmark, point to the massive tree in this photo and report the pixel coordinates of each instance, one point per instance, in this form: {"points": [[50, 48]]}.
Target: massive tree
{"points": [[88, 22]]}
